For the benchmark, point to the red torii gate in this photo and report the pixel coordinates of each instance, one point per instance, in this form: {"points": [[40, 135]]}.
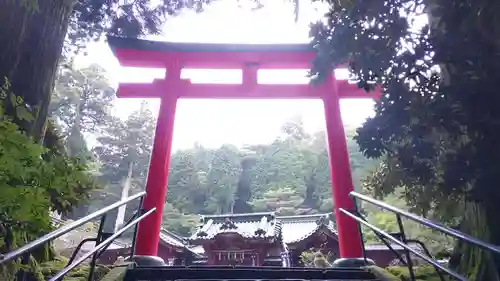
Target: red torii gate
{"points": [[249, 58]]}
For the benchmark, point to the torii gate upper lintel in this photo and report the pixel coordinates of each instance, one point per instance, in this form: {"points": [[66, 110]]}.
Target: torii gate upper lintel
{"points": [[249, 58]]}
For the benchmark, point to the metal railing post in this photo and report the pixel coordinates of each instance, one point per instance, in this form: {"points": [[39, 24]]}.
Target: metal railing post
{"points": [[138, 213], [360, 230], [403, 239], [96, 254], [426, 251]]}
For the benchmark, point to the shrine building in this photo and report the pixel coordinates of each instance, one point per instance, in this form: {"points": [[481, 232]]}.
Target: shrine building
{"points": [[259, 239], [253, 239]]}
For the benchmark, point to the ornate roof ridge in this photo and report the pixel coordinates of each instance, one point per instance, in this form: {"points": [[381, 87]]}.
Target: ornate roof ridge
{"points": [[228, 224], [382, 246], [238, 217], [262, 225], [278, 229], [242, 215], [302, 218]]}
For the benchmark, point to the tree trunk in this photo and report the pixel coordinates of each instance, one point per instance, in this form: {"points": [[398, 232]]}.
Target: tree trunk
{"points": [[30, 48], [13, 22], [470, 260]]}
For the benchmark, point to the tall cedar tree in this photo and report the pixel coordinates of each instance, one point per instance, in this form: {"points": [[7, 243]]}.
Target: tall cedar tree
{"points": [[437, 123], [34, 32]]}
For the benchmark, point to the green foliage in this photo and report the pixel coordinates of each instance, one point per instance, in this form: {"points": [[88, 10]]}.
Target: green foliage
{"points": [[13, 107], [123, 151], [127, 143], [33, 181], [80, 105], [315, 258], [436, 124], [381, 273], [82, 98], [289, 175], [132, 19], [50, 268], [433, 240], [25, 176], [181, 223], [57, 184], [422, 273], [20, 175]]}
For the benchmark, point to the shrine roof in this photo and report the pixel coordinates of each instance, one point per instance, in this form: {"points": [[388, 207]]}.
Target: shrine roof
{"points": [[172, 239], [253, 225], [394, 246], [300, 227], [175, 47]]}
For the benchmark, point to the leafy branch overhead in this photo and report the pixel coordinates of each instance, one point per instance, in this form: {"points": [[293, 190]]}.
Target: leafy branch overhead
{"points": [[422, 125], [91, 19], [436, 126]]}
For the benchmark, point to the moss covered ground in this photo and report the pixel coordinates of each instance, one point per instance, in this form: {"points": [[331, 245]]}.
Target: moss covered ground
{"points": [[422, 273], [396, 273], [80, 273]]}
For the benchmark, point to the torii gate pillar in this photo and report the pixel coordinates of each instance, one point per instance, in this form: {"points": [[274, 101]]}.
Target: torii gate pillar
{"points": [[340, 175], [148, 232], [174, 56]]}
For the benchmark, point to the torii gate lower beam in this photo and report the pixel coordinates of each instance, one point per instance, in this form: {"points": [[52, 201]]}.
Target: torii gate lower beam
{"points": [[175, 56]]}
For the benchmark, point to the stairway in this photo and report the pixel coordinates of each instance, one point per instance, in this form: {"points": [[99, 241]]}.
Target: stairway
{"points": [[213, 273]]}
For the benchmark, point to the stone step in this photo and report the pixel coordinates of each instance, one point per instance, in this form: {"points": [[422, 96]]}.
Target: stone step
{"points": [[214, 273]]}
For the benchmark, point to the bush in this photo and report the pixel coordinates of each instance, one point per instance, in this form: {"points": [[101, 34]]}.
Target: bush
{"points": [[30, 186], [50, 268], [33, 181], [427, 273], [381, 273]]}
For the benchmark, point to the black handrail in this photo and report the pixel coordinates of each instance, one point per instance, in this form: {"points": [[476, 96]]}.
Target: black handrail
{"points": [[63, 230], [403, 242], [98, 247], [102, 241], [404, 246], [450, 231]]}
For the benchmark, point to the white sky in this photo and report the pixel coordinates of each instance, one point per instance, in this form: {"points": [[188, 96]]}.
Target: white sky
{"points": [[215, 122]]}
